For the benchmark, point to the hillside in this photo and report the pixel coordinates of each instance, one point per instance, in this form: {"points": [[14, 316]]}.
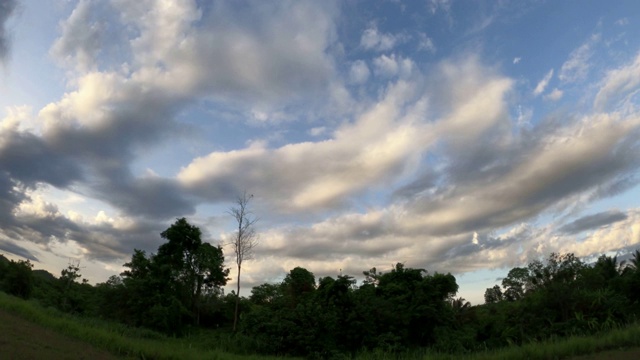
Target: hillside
{"points": [[22, 339]]}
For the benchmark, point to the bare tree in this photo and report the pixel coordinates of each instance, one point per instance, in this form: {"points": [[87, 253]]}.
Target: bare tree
{"points": [[244, 241]]}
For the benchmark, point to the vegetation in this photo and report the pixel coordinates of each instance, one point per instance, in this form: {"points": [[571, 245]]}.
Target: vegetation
{"points": [[243, 243], [556, 307]]}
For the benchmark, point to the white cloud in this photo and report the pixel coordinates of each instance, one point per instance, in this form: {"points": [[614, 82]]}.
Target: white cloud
{"points": [[392, 65], [622, 22], [373, 40], [577, 66], [435, 5], [359, 72], [80, 42], [426, 43], [374, 150], [317, 131], [619, 85], [516, 60], [554, 95], [542, 85], [251, 52]]}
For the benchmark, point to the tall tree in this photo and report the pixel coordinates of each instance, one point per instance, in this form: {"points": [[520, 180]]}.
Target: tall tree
{"points": [[244, 241]]}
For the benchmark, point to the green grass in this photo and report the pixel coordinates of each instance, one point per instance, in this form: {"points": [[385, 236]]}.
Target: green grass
{"points": [[563, 348], [124, 341], [128, 342]]}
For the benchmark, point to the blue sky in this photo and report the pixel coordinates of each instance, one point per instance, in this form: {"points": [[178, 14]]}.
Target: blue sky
{"points": [[460, 136]]}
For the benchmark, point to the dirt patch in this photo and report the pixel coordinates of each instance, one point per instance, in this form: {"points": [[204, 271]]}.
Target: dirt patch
{"points": [[21, 339]]}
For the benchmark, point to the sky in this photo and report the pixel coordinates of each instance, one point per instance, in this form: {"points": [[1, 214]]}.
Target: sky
{"points": [[456, 136]]}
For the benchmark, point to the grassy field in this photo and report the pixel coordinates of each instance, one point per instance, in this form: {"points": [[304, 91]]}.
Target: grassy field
{"points": [[28, 331], [20, 339], [111, 339]]}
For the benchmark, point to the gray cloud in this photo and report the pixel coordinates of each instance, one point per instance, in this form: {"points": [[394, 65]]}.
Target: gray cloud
{"points": [[7, 8], [29, 159], [594, 221], [17, 250], [493, 185]]}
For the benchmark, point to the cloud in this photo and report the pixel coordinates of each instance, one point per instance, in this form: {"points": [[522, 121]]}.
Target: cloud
{"points": [[80, 42], [593, 222], [270, 54], [619, 85], [435, 5], [384, 140], [542, 85], [577, 66], [390, 66], [622, 21], [17, 250], [425, 43], [359, 72], [373, 40], [7, 8], [516, 60], [554, 95]]}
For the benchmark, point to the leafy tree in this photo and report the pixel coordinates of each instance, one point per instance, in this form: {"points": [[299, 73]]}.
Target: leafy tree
{"points": [[18, 278], [266, 294], [244, 241], [190, 264], [518, 280], [165, 290], [298, 282], [493, 295]]}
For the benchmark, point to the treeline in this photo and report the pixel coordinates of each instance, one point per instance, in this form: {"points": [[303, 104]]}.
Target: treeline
{"points": [[178, 290]]}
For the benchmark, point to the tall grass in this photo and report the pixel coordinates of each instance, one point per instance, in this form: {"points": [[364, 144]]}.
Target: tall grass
{"points": [[562, 348], [130, 342], [121, 340]]}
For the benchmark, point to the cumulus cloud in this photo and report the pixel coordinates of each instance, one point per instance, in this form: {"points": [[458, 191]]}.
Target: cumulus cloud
{"points": [[232, 54], [373, 150], [390, 66], [373, 40], [80, 42], [542, 85]]}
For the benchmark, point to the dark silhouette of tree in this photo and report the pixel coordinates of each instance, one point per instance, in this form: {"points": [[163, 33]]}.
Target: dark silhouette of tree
{"points": [[17, 278]]}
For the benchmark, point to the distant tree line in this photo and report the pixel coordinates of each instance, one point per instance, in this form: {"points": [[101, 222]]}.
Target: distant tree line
{"points": [[178, 290]]}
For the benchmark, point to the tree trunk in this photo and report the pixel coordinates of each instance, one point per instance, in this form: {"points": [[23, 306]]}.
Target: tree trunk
{"points": [[235, 317]]}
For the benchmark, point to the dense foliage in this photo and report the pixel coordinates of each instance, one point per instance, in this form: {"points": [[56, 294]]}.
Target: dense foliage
{"points": [[178, 289]]}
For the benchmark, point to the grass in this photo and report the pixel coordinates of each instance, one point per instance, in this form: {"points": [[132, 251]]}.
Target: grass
{"points": [[622, 343], [127, 342], [121, 340]]}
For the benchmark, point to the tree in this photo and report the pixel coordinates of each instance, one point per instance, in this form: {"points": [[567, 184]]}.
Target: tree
{"points": [[243, 242], [516, 283], [493, 295], [18, 278], [298, 282], [162, 290], [192, 264]]}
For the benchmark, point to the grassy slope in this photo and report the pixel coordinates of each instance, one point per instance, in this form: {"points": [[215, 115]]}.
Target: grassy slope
{"points": [[53, 336], [20, 339], [116, 339]]}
